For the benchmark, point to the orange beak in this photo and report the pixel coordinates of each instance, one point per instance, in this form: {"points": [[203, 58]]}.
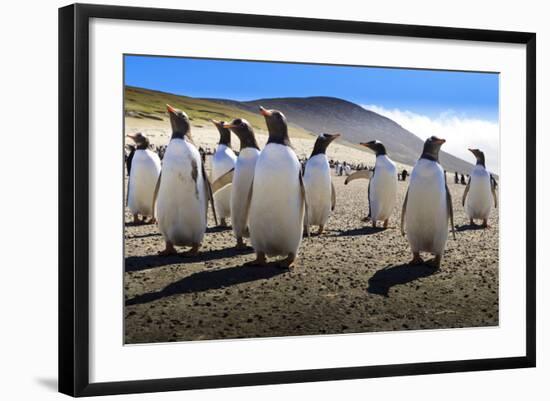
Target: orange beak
{"points": [[171, 109], [440, 141], [215, 122], [228, 125], [131, 136], [265, 112]]}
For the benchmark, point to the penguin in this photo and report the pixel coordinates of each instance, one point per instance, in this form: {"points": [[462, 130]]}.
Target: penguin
{"points": [[428, 206], [144, 170], [223, 161], [480, 192], [183, 190], [240, 178], [277, 205], [382, 190], [320, 192]]}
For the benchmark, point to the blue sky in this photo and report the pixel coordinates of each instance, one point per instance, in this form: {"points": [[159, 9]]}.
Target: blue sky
{"points": [[425, 92]]}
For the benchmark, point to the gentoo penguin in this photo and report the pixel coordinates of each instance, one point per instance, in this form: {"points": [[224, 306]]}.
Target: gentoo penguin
{"points": [[144, 171], [428, 206], [480, 192], [382, 190], [276, 216], [320, 192], [241, 178], [223, 161], [183, 189]]}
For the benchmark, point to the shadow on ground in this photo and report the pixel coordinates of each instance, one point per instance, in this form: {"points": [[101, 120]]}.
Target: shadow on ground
{"points": [[368, 230], [211, 280], [390, 276], [137, 263]]}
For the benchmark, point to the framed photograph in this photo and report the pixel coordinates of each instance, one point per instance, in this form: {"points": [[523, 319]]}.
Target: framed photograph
{"points": [[251, 199]]}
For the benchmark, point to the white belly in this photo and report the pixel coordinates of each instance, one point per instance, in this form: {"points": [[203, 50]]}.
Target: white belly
{"points": [[426, 221], [479, 198], [383, 189], [276, 209], [240, 189], [223, 161], [143, 179], [181, 202], [317, 183]]}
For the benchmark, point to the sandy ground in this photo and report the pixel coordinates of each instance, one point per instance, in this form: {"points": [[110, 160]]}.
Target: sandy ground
{"points": [[351, 279]]}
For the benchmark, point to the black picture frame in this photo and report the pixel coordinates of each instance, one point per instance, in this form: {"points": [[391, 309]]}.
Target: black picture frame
{"points": [[74, 198]]}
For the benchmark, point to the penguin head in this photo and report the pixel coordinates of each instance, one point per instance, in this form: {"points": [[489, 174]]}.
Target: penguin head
{"points": [[141, 140], [225, 134], [276, 125], [181, 125], [244, 132], [376, 146], [322, 142], [431, 148], [480, 156]]}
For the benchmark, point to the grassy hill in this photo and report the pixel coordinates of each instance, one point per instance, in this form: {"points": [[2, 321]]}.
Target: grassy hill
{"points": [[150, 104]]}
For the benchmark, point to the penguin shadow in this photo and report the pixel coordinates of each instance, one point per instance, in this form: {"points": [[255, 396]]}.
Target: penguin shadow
{"points": [[211, 280], [468, 227], [138, 263], [389, 276], [367, 230]]}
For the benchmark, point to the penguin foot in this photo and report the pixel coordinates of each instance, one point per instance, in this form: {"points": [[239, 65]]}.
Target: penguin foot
{"points": [[168, 250], [194, 251], [435, 262], [374, 224], [321, 230], [365, 219], [223, 223], [152, 220], [241, 246], [288, 263], [416, 260], [259, 261], [386, 223], [485, 224]]}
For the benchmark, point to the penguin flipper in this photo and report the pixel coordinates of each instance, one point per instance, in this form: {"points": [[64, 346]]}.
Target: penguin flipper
{"points": [[494, 190], [403, 210], [332, 196], [368, 197], [303, 192], [450, 209], [466, 191], [223, 181], [358, 174], [209, 193], [155, 194]]}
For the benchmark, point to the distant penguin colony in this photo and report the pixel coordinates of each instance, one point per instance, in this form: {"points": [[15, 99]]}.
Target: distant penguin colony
{"points": [[273, 200]]}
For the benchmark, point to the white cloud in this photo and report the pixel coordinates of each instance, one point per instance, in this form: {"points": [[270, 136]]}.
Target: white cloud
{"points": [[461, 133]]}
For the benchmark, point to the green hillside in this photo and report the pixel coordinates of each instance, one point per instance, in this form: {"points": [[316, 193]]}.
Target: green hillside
{"points": [[146, 103]]}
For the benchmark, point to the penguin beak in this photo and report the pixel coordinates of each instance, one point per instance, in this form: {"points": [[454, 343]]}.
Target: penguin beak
{"points": [[131, 136], [264, 112], [228, 125], [365, 144], [472, 150], [335, 136], [171, 109], [439, 141], [216, 122]]}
